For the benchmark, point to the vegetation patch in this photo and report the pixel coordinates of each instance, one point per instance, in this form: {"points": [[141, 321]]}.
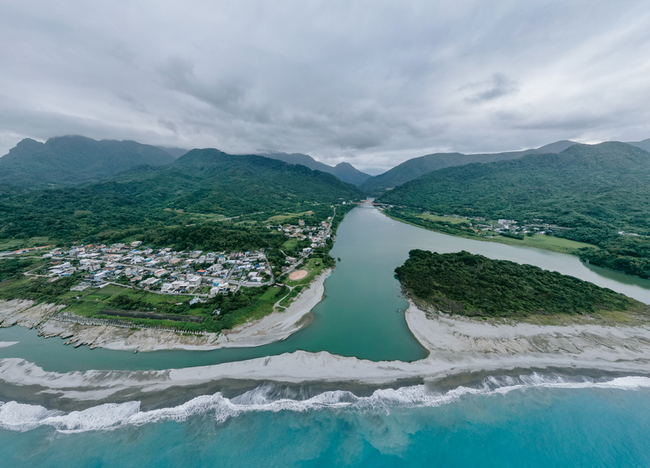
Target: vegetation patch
{"points": [[474, 285]]}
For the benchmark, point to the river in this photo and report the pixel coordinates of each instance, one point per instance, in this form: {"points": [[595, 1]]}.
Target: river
{"points": [[361, 315], [535, 420]]}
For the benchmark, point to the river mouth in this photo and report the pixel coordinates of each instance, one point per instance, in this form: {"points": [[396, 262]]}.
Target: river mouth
{"points": [[361, 315]]}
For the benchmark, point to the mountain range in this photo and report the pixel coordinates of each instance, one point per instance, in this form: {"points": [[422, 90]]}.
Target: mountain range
{"points": [[201, 182], [416, 167], [344, 171], [582, 185], [74, 160]]}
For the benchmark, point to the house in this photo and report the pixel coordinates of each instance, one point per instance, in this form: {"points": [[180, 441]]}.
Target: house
{"points": [[194, 280]]}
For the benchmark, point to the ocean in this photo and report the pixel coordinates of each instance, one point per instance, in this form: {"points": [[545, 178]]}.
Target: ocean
{"points": [[528, 421]]}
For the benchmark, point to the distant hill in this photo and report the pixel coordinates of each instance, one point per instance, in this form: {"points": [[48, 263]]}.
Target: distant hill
{"points": [[204, 181], [344, 171], [74, 160], [174, 152], [416, 167], [644, 145], [592, 191], [605, 182]]}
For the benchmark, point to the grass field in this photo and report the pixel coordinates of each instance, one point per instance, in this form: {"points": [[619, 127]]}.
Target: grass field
{"points": [[538, 241], [94, 301], [290, 244], [263, 307], [444, 219], [14, 244], [291, 296], [279, 219], [556, 244]]}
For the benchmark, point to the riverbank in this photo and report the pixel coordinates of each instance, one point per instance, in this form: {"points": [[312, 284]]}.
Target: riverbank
{"points": [[274, 327], [550, 243]]}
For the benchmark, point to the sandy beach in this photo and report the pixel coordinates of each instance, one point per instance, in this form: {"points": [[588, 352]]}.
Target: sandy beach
{"points": [[457, 346]]}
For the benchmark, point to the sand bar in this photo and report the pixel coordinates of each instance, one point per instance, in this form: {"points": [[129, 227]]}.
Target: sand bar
{"points": [[457, 346]]}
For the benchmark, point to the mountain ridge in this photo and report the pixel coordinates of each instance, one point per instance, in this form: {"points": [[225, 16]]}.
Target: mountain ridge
{"points": [[74, 160], [343, 170], [416, 167]]}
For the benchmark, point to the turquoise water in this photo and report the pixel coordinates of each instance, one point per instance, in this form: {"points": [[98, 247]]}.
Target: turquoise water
{"points": [[361, 315], [530, 421], [498, 426]]}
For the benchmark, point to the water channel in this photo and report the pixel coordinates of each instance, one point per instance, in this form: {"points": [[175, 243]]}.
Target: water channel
{"points": [[362, 314]]}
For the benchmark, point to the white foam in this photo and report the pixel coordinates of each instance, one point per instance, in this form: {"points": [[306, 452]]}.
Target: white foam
{"points": [[22, 417], [6, 344]]}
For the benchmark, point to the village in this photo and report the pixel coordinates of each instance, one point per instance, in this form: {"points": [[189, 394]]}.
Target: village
{"points": [[163, 270], [166, 271]]}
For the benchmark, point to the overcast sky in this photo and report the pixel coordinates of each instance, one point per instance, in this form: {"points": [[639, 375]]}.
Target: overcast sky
{"points": [[371, 82]]}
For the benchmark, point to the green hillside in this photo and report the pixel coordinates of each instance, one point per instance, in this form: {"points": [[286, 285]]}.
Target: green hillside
{"points": [[466, 284], [74, 160], [644, 145], [593, 192], [197, 187], [416, 167], [343, 171]]}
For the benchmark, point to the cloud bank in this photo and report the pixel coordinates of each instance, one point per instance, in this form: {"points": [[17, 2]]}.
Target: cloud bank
{"points": [[371, 82]]}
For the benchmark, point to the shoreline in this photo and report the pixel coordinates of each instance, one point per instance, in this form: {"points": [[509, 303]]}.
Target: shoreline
{"points": [[276, 326], [496, 239], [462, 352]]}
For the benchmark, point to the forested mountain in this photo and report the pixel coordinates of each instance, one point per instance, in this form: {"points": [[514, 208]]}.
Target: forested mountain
{"points": [[416, 167], [595, 190], [645, 144], [174, 152], [344, 171], [74, 160], [202, 181]]}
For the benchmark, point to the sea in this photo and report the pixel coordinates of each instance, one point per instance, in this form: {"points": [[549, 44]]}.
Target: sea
{"points": [[512, 418]]}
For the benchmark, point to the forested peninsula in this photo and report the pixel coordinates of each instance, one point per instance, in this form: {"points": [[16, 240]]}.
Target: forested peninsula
{"points": [[473, 285]]}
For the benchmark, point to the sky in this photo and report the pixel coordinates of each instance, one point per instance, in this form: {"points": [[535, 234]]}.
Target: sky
{"points": [[369, 82]]}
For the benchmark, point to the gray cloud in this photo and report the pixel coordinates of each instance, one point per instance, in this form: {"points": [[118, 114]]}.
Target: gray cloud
{"points": [[497, 86], [371, 82]]}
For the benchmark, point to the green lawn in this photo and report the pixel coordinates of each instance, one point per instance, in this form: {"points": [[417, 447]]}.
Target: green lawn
{"points": [[291, 296], [290, 244], [15, 244], [94, 301], [263, 307], [556, 244], [444, 219], [281, 218]]}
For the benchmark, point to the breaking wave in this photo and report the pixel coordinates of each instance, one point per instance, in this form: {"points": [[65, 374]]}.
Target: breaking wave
{"points": [[268, 398]]}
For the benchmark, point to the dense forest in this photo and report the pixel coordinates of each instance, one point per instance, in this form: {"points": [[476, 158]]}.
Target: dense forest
{"points": [[74, 160], [467, 284], [198, 186], [344, 171], [595, 191], [417, 167]]}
